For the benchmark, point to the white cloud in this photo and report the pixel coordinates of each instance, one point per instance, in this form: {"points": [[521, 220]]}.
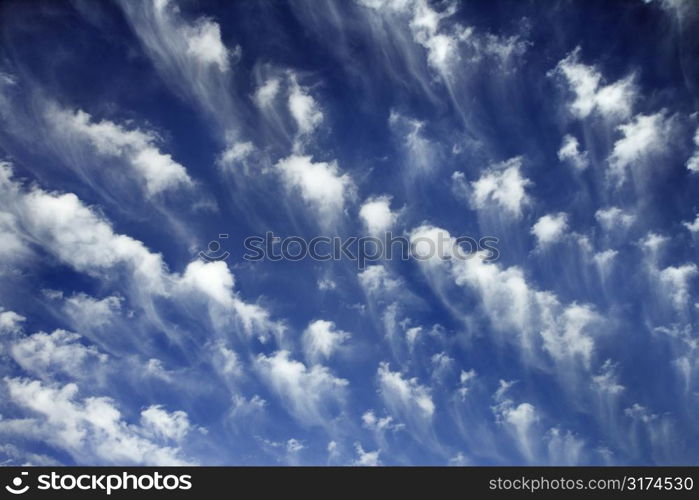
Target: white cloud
{"points": [[518, 419], [570, 153], [78, 235], [641, 413], [294, 446], [426, 237], [466, 379], [309, 394], [91, 430], [12, 246], [612, 101], [366, 458], [693, 162], [550, 229], [322, 339], [304, 109], [606, 381], [190, 56], [321, 185], [643, 137], [564, 448], [686, 346], [441, 47], [672, 283], [604, 260], [521, 417], [502, 185], [423, 23], [135, 146], [235, 153], [446, 45], [82, 238], [45, 354], [442, 364], [377, 216], [325, 284], [376, 279], [165, 425], [693, 227], [405, 398], [679, 9], [652, 245], [506, 50], [459, 460], [204, 44], [537, 318], [421, 155], [213, 279], [227, 360], [614, 218], [192, 46], [332, 449], [89, 312], [10, 321], [267, 92], [412, 334], [675, 282], [616, 99], [256, 320], [16, 456], [372, 422], [569, 336], [247, 407]]}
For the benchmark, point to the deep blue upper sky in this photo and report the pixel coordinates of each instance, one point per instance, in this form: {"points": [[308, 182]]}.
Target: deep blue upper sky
{"points": [[134, 133]]}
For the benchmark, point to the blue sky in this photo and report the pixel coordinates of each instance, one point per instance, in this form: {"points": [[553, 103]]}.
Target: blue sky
{"points": [[135, 133]]}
